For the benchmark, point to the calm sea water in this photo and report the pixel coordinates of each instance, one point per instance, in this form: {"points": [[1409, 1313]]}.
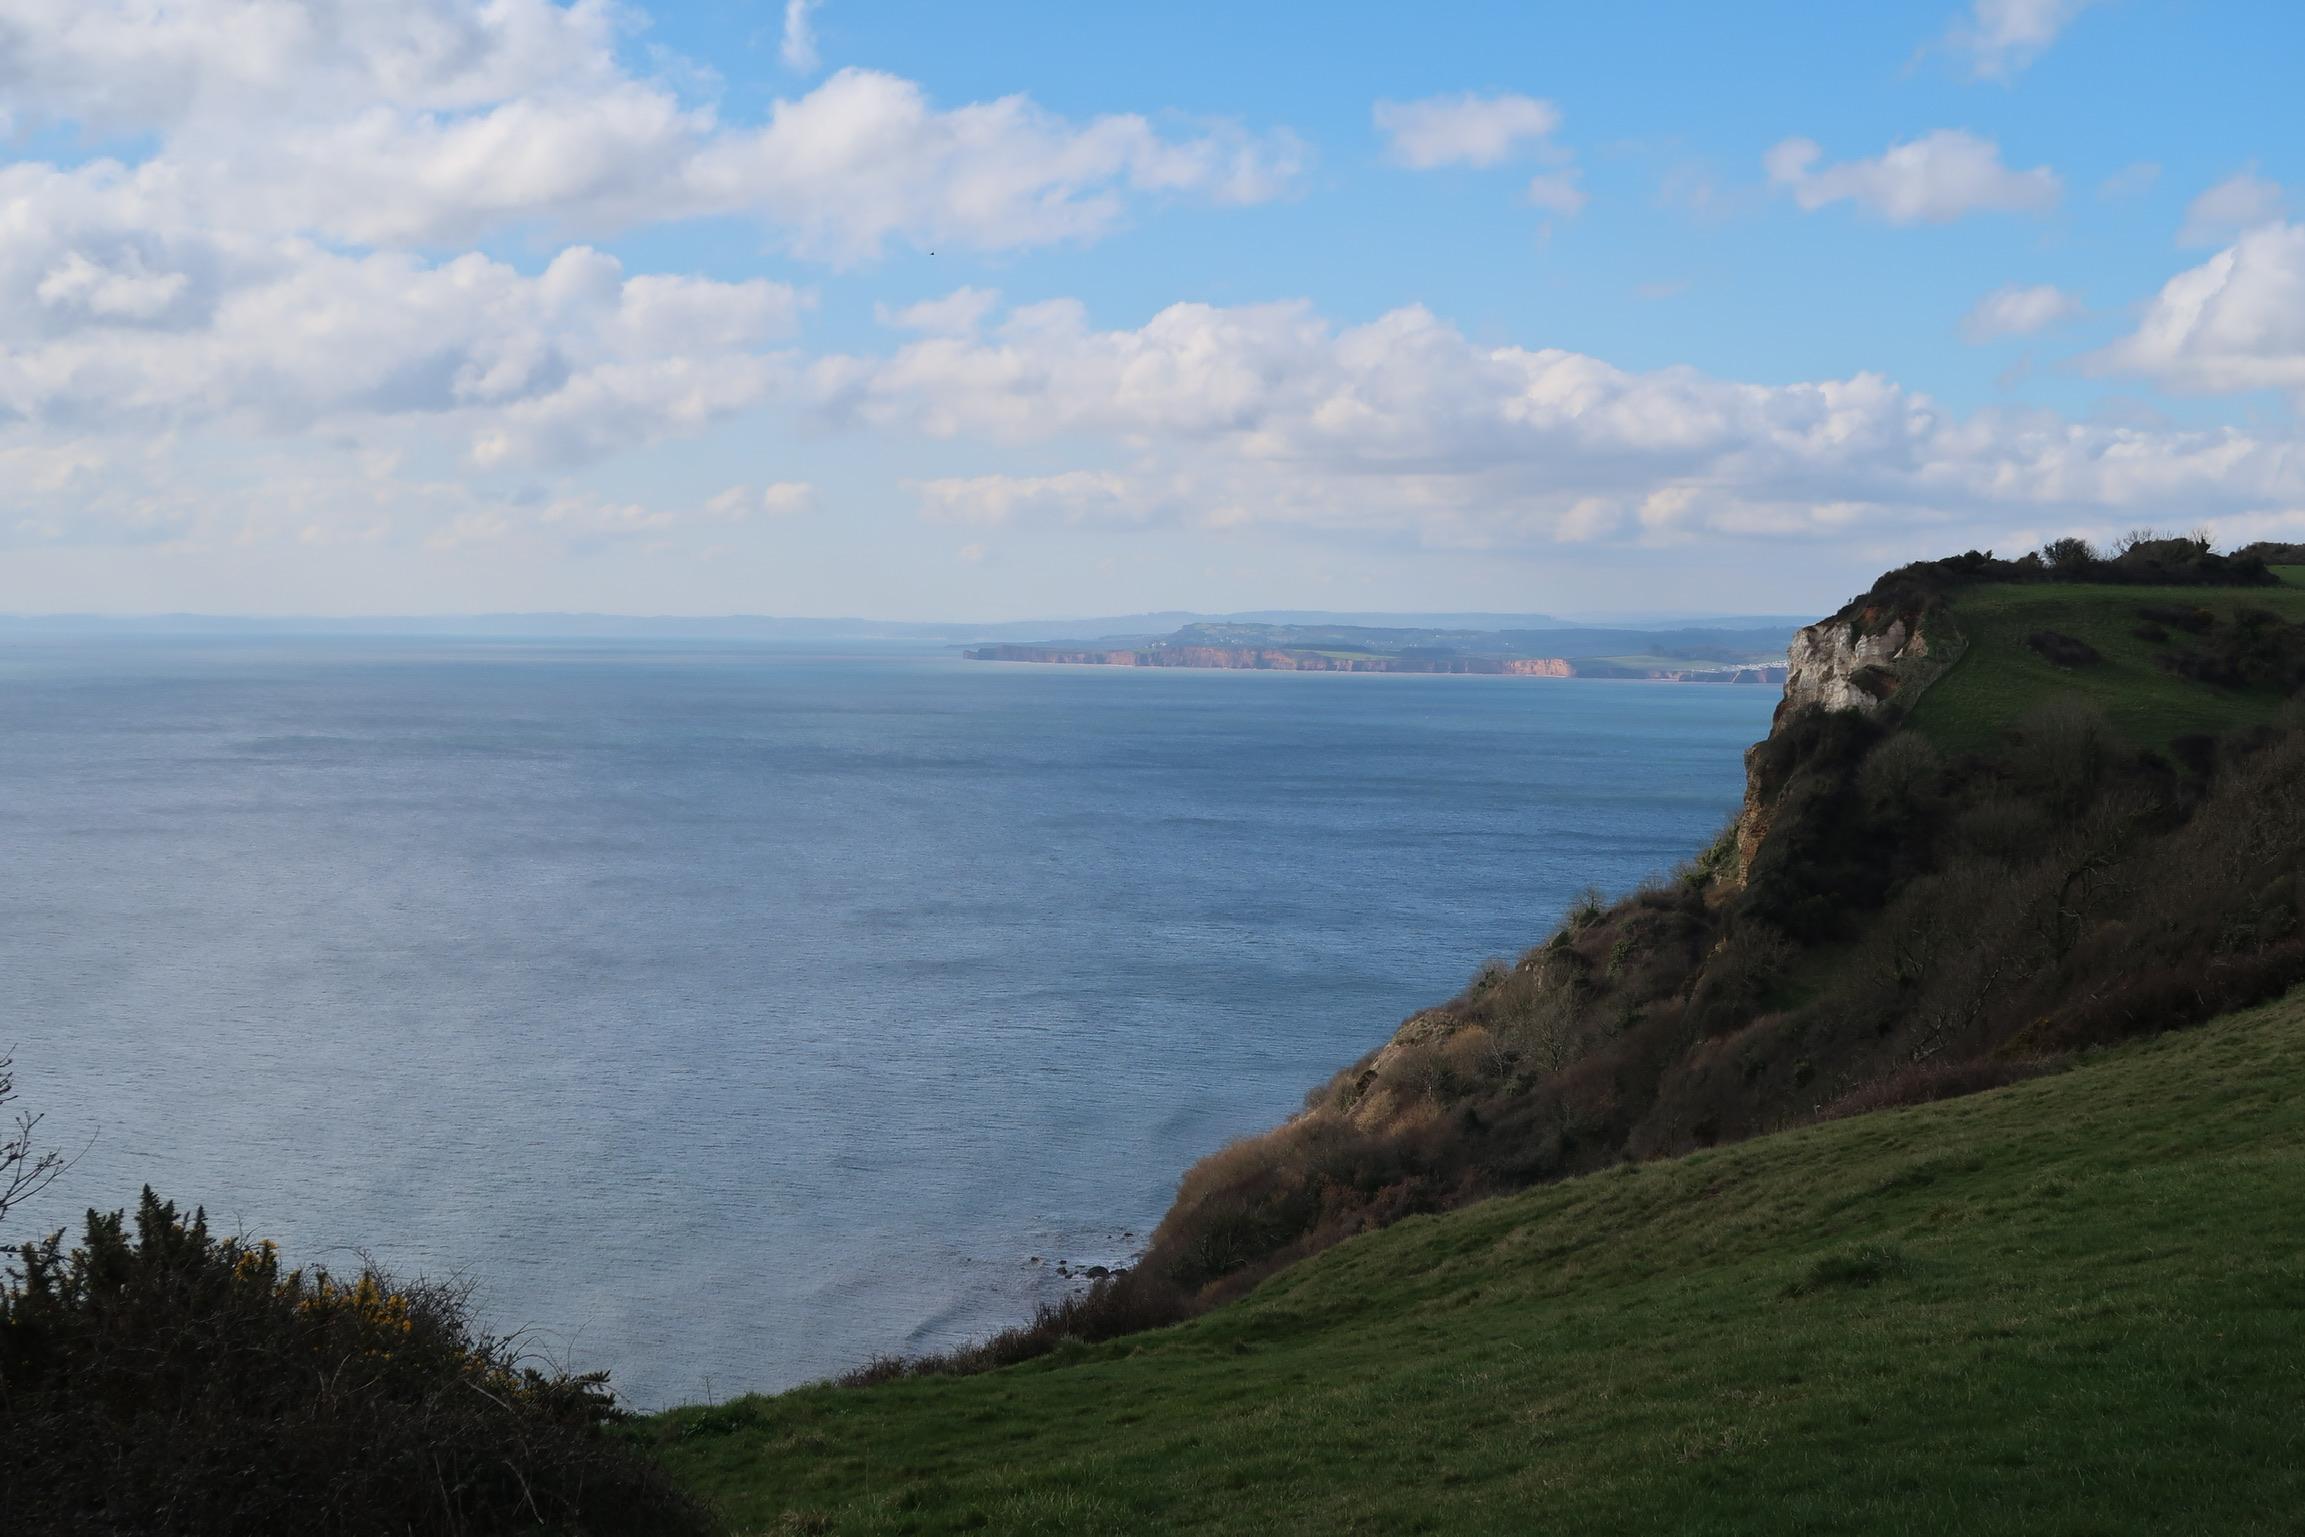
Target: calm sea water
{"points": [[731, 1014]]}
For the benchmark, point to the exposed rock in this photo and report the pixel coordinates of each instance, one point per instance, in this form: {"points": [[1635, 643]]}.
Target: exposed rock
{"points": [[1872, 657], [1840, 665]]}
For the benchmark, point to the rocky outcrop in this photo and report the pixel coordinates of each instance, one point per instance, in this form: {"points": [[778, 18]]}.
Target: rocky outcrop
{"points": [[1875, 657], [1842, 665]]}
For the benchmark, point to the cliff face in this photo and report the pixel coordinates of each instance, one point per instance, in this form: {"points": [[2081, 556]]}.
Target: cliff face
{"points": [[1864, 660], [1873, 657]]}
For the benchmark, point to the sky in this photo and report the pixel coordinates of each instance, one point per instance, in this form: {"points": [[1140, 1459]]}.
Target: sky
{"points": [[919, 310]]}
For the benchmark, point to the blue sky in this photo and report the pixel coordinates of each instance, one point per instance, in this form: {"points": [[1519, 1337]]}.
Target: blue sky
{"points": [[915, 310]]}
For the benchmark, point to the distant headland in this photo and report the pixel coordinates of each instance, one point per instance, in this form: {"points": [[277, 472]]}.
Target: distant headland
{"points": [[1714, 655]]}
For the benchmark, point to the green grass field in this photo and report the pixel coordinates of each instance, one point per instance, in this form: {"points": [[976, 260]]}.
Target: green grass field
{"points": [[2072, 1306], [2000, 678]]}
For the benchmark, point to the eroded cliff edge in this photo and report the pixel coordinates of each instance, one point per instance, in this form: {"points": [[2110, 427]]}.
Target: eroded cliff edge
{"points": [[1889, 917], [1875, 658]]}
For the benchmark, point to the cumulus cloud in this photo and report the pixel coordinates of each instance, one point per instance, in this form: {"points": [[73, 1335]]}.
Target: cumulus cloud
{"points": [[160, 65], [262, 260], [2019, 310], [441, 121], [2001, 37], [1464, 129], [1936, 178], [778, 499], [785, 497], [2235, 322], [282, 493], [112, 314], [2241, 201], [958, 313], [1402, 425], [798, 48], [1560, 192], [991, 500]]}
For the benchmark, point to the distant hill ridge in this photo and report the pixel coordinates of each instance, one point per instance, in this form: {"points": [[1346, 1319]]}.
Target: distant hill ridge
{"points": [[1720, 654]]}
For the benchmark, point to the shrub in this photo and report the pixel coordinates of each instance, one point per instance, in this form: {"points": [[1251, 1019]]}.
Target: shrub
{"points": [[2069, 556], [2193, 621], [1922, 1083], [167, 1380], [2063, 650]]}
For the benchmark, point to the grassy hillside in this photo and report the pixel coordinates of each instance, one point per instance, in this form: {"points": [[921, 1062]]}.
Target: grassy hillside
{"points": [[2068, 1306], [2000, 677]]}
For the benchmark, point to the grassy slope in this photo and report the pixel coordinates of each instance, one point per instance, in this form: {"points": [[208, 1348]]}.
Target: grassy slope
{"points": [[2000, 677], [2091, 1318]]}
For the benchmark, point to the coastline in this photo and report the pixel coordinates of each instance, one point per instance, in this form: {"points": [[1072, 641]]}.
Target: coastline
{"points": [[1263, 659]]}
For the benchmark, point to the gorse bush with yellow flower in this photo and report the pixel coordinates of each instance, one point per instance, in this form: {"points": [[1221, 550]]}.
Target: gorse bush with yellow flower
{"points": [[162, 1379]]}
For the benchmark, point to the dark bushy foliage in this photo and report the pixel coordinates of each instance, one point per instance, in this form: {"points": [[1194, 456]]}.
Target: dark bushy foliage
{"points": [[2255, 649], [162, 1380], [1923, 1083], [2063, 650], [1822, 866], [2141, 560]]}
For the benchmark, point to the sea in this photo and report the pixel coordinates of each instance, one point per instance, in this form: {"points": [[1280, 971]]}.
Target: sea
{"points": [[728, 1014]]}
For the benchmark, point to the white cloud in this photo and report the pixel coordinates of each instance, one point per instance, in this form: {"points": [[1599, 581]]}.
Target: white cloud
{"points": [[222, 492], [1464, 129], [441, 121], [160, 65], [1939, 177], [2235, 322], [2001, 37], [798, 49], [123, 292], [2019, 310], [958, 313], [2239, 202], [779, 499], [783, 498], [1560, 192], [991, 500], [865, 158], [263, 274], [1403, 426], [286, 336]]}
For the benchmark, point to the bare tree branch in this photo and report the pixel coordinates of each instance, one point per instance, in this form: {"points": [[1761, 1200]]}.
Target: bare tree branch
{"points": [[26, 1169]]}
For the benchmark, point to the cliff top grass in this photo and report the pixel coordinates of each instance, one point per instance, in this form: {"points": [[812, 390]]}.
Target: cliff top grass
{"points": [[2000, 677], [2067, 1306]]}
